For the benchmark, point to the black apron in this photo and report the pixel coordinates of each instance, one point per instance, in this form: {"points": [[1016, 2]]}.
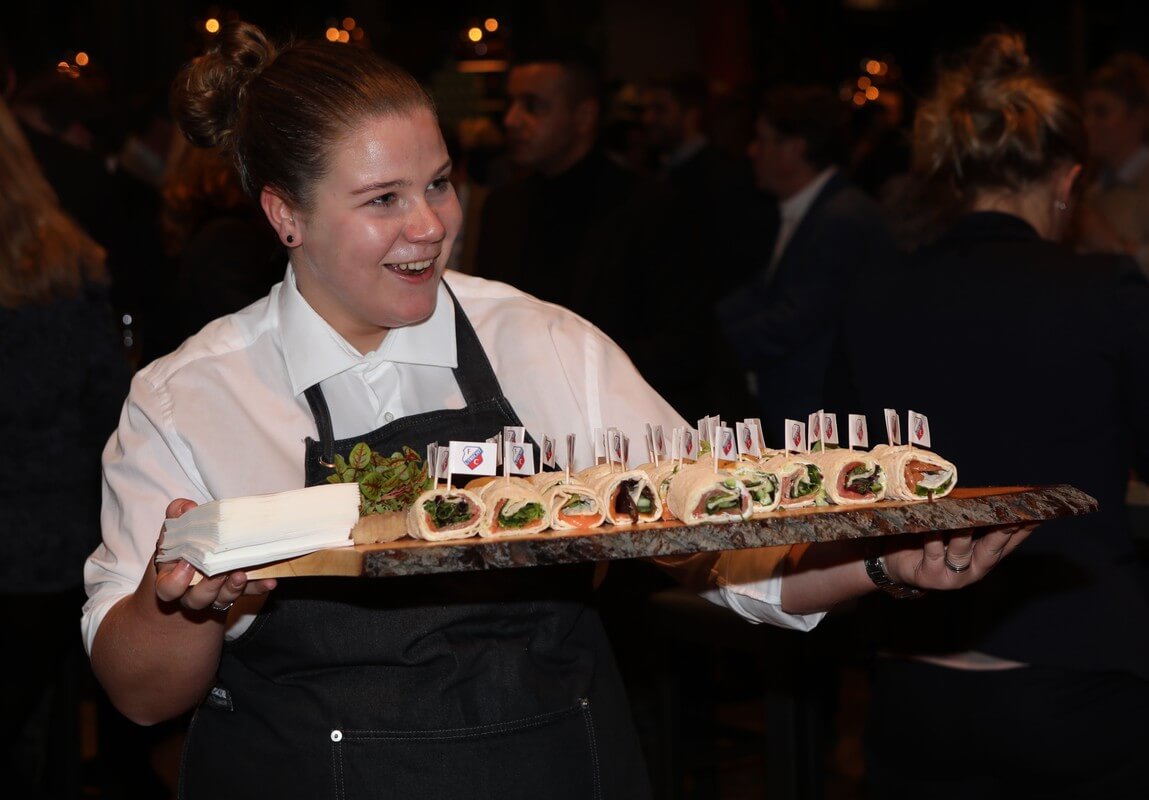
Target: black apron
{"points": [[474, 685]]}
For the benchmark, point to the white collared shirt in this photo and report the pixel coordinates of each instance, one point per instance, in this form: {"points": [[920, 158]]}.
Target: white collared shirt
{"points": [[225, 415]]}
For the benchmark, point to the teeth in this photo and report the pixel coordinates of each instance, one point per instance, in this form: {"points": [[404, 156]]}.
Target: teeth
{"points": [[414, 266]]}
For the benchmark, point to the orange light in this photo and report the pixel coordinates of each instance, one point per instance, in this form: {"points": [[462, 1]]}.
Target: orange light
{"points": [[344, 37], [872, 93], [357, 34], [475, 34], [883, 68], [63, 66], [859, 99], [873, 67], [863, 83], [81, 59], [211, 26], [348, 23], [332, 34], [491, 25]]}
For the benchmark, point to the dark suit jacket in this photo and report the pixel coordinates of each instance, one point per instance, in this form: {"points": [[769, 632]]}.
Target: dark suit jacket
{"points": [[607, 244], [1032, 364], [783, 327]]}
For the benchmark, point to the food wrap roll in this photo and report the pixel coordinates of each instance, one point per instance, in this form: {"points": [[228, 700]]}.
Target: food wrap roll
{"points": [[699, 494], [628, 497], [545, 480], [762, 483], [799, 481], [514, 507], [573, 506], [661, 475], [438, 515], [914, 473], [851, 477]]}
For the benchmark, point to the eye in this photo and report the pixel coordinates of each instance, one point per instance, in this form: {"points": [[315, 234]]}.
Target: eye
{"points": [[384, 200], [439, 184]]}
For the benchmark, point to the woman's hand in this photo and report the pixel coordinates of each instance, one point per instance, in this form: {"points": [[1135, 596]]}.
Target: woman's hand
{"points": [[176, 580], [942, 560]]}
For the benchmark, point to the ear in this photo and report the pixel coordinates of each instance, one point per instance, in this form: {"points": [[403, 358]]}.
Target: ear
{"points": [[281, 215], [1066, 184]]}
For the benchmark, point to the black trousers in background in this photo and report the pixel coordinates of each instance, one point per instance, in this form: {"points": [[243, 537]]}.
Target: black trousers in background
{"points": [[935, 733]]}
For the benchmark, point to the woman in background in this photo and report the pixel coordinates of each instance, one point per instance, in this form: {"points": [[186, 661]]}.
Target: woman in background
{"points": [[65, 376], [1032, 359]]}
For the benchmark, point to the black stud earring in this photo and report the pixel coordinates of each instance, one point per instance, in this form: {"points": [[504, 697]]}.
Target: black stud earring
{"points": [[290, 238]]}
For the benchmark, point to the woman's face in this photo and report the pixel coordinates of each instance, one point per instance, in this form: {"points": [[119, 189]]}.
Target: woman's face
{"points": [[1115, 130], [376, 241]]}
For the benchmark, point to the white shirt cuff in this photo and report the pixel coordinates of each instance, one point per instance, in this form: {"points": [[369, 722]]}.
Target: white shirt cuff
{"points": [[749, 583]]}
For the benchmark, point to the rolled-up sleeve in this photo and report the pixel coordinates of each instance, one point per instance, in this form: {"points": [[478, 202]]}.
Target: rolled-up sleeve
{"points": [[749, 583]]}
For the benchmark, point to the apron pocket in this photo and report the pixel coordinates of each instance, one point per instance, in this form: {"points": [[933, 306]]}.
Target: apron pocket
{"points": [[551, 755]]}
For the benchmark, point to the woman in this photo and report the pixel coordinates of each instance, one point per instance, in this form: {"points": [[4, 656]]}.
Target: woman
{"points": [[453, 686], [1035, 358], [65, 375]]}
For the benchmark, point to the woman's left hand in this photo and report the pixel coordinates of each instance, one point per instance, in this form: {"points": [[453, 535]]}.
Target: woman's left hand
{"points": [[951, 560]]}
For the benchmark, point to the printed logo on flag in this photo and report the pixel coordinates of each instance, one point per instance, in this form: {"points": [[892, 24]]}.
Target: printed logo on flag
{"points": [[726, 443], [690, 444], [830, 428], [472, 457], [757, 423], [514, 434], [919, 428], [548, 451], [814, 426], [444, 457], [859, 435], [893, 427], [795, 436], [659, 442], [517, 457], [747, 437], [616, 445]]}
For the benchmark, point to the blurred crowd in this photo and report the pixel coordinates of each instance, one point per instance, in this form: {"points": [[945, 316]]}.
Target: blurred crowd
{"points": [[746, 246]]}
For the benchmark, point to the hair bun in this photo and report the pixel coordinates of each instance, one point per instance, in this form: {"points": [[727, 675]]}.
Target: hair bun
{"points": [[208, 95], [999, 56]]}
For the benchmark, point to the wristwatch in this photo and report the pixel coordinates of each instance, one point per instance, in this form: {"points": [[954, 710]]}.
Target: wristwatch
{"points": [[876, 569]]}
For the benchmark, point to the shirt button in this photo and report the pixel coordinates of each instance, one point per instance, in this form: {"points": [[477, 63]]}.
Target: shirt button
{"points": [[388, 417]]}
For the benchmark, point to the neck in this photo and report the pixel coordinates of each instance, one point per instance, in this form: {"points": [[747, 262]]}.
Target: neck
{"points": [[1036, 206], [802, 176]]}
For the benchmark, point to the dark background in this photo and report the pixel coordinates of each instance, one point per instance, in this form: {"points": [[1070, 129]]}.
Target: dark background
{"points": [[140, 43]]}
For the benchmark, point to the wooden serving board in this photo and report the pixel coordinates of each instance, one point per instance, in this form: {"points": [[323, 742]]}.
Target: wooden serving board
{"points": [[964, 508]]}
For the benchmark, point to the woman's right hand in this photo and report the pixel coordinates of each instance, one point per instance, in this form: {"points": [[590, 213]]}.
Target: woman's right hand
{"points": [[176, 580]]}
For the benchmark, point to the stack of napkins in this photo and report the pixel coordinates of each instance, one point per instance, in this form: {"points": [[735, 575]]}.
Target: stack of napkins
{"points": [[241, 532]]}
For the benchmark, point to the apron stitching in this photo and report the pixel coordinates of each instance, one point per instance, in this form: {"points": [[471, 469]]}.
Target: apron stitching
{"points": [[593, 748], [463, 733], [337, 766]]}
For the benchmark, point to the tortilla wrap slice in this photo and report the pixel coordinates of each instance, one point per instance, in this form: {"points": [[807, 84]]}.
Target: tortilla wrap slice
{"points": [[914, 473], [699, 494], [851, 477], [661, 475], [438, 515], [573, 506], [799, 481], [762, 483], [514, 507], [628, 497]]}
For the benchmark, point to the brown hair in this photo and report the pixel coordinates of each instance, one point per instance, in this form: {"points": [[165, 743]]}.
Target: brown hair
{"points": [[995, 123], [279, 112], [44, 254], [200, 182], [812, 113]]}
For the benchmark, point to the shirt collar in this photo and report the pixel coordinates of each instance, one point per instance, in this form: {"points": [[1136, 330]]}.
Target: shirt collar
{"points": [[796, 205], [685, 151], [314, 351]]}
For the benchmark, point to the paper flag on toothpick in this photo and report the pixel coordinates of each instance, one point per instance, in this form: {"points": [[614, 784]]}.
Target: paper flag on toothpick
{"points": [[893, 428], [919, 429], [473, 458], [859, 434], [794, 436]]}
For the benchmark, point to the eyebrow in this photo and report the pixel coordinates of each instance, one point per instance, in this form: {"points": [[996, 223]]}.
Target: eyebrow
{"points": [[401, 183]]}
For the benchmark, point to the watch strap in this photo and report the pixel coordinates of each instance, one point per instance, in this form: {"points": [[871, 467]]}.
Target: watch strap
{"points": [[876, 569]]}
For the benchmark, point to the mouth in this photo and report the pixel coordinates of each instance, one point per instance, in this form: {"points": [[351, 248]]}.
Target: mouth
{"points": [[412, 269]]}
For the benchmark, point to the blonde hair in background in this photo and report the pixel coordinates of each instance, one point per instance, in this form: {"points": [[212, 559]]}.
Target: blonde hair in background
{"points": [[44, 254], [994, 122]]}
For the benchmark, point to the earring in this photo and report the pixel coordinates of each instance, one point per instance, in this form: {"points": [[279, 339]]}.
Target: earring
{"points": [[290, 239], [1061, 205]]}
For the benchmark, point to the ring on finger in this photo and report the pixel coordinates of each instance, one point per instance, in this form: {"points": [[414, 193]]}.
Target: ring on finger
{"points": [[221, 607], [952, 567]]}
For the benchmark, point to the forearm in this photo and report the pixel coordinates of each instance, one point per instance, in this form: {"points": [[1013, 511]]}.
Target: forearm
{"points": [[154, 658], [818, 577]]}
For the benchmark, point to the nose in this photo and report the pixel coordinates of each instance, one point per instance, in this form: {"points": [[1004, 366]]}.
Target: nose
{"points": [[425, 225], [513, 116]]}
